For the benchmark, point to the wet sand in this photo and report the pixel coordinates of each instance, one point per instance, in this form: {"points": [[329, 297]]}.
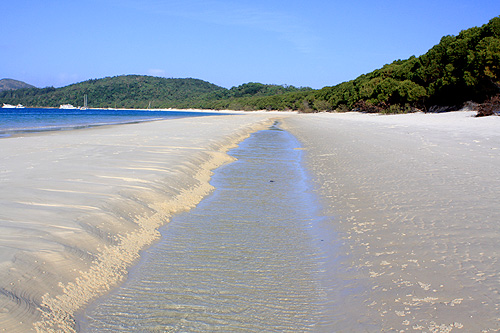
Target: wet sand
{"points": [[416, 201], [77, 207]]}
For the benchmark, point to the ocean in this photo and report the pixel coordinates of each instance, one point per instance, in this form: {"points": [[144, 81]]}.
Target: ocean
{"points": [[31, 120]]}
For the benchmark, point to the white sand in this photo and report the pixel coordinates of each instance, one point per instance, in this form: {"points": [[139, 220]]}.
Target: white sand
{"points": [[76, 207], [416, 201]]}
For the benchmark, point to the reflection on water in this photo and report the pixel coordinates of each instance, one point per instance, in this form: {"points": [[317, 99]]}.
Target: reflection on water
{"points": [[245, 259]]}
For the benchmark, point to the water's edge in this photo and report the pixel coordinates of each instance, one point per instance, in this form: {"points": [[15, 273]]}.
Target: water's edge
{"points": [[254, 254], [112, 263]]}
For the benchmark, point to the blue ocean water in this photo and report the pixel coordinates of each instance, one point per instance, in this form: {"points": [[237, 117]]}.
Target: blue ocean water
{"points": [[28, 120]]}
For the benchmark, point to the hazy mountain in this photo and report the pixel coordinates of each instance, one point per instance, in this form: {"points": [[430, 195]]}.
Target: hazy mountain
{"points": [[10, 84]]}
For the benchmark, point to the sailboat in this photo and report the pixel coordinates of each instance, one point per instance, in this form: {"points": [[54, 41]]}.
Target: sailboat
{"points": [[84, 107]]}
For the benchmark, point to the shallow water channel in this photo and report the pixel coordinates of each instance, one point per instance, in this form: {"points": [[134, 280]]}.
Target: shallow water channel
{"points": [[249, 257]]}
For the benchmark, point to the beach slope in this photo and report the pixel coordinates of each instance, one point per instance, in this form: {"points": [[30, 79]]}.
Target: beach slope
{"points": [[76, 207]]}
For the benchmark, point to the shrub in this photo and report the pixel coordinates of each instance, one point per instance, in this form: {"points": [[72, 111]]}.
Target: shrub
{"points": [[490, 107]]}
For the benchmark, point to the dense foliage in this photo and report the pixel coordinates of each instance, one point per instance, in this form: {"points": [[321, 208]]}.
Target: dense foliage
{"points": [[460, 68]]}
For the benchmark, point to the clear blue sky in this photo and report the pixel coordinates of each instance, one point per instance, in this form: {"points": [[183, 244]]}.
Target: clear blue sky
{"points": [[312, 43]]}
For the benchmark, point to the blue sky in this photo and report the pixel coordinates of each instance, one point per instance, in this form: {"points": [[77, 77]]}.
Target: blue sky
{"points": [[311, 43]]}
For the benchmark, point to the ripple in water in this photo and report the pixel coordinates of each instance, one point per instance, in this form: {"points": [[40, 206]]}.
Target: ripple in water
{"points": [[245, 259]]}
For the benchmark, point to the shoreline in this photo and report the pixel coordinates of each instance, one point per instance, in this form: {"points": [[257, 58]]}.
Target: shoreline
{"points": [[93, 200], [41, 130]]}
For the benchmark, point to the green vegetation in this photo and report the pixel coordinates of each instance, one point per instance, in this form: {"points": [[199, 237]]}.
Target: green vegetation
{"points": [[255, 96], [460, 68], [136, 91]]}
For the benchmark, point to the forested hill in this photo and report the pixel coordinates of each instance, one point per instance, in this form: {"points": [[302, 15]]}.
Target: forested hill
{"points": [[10, 84], [461, 68], [129, 91], [136, 91]]}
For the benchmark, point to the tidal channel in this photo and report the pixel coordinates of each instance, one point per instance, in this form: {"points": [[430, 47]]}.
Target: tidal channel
{"points": [[249, 258]]}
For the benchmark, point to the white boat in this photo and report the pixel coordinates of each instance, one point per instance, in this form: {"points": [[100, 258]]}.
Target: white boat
{"points": [[9, 106], [67, 107]]}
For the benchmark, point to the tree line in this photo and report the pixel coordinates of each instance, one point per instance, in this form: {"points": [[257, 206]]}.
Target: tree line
{"points": [[460, 68]]}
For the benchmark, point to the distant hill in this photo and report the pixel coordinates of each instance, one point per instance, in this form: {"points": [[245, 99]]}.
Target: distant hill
{"points": [[139, 91], [10, 84]]}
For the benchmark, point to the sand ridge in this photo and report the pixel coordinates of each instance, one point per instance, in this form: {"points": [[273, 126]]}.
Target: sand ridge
{"points": [[77, 207]]}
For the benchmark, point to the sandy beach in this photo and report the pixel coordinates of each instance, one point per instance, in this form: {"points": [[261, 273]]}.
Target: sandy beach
{"points": [[76, 207], [416, 201]]}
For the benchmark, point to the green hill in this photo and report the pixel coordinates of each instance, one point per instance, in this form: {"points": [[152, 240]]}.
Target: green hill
{"points": [[136, 91], [10, 84], [460, 68], [129, 91]]}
